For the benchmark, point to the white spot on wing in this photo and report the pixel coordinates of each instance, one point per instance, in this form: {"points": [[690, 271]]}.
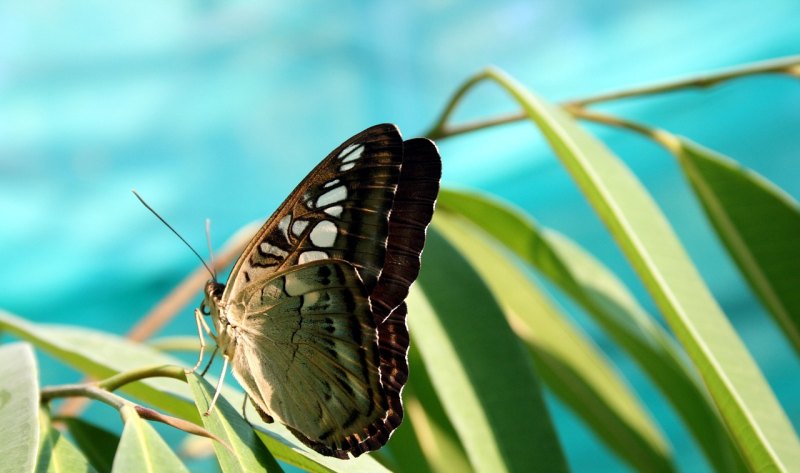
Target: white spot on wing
{"points": [[307, 256], [355, 154], [283, 226], [347, 167], [331, 183], [324, 234], [299, 226], [332, 196], [335, 211], [273, 250]]}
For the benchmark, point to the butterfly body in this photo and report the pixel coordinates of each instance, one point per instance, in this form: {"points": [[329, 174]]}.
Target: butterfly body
{"points": [[312, 318]]}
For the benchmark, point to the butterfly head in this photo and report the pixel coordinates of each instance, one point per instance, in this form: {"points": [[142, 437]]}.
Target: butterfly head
{"points": [[213, 296]]}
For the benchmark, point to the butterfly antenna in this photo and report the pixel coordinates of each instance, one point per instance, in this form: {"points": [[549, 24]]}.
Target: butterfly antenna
{"points": [[210, 249], [213, 275]]}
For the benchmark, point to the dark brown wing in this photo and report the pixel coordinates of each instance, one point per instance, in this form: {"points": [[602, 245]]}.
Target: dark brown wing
{"points": [[411, 213], [339, 211]]}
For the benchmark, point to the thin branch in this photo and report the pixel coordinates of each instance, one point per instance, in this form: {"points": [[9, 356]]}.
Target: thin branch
{"points": [[83, 390], [788, 65], [665, 139]]}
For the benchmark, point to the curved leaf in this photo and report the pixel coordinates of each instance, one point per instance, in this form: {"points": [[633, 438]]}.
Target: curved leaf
{"points": [[19, 407], [142, 450], [758, 223], [244, 451], [574, 369], [595, 288], [100, 355], [479, 368], [745, 400]]}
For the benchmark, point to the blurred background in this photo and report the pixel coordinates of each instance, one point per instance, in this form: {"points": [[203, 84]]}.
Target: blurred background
{"points": [[218, 109]]}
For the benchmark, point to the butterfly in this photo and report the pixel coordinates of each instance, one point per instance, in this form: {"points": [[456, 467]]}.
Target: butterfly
{"points": [[313, 319]]}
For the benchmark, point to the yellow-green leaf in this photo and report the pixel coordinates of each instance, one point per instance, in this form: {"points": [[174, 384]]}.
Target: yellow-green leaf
{"points": [[142, 450], [572, 367], [595, 288], [744, 398], [19, 407], [56, 453], [243, 451], [479, 368]]}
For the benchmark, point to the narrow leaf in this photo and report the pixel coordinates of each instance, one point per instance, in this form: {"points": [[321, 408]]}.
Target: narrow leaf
{"points": [[759, 225], [99, 445], [480, 370], [56, 453], [608, 301], [101, 355], [242, 451], [435, 434], [142, 450], [19, 407], [745, 400], [568, 362]]}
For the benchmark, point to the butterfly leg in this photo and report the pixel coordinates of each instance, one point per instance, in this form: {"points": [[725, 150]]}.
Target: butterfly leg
{"points": [[201, 325], [219, 385], [244, 409], [210, 360]]}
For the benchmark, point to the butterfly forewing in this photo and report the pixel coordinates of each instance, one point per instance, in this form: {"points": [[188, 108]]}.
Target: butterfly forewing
{"points": [[340, 211]]}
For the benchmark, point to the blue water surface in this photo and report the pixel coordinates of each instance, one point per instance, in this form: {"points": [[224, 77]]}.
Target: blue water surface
{"points": [[217, 109]]}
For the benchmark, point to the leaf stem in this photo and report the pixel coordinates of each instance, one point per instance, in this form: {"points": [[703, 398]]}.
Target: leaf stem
{"points": [[164, 371], [789, 65]]}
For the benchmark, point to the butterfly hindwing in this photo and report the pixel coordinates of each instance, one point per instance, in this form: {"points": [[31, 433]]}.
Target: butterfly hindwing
{"points": [[308, 353], [412, 211]]}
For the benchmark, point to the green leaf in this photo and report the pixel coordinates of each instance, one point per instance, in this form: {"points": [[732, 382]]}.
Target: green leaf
{"points": [[142, 450], [99, 445], [56, 453], [576, 371], [101, 354], [243, 451], [608, 301], [406, 448], [437, 437], [759, 225], [19, 406], [470, 352], [745, 400]]}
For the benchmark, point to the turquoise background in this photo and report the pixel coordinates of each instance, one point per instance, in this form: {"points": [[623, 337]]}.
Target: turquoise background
{"points": [[218, 109]]}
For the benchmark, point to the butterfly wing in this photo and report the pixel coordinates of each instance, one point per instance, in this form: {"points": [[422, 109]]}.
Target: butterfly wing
{"points": [[339, 211], [308, 355]]}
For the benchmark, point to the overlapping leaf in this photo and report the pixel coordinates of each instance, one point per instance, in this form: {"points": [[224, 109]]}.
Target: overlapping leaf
{"points": [[576, 371], [479, 368], [745, 400]]}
